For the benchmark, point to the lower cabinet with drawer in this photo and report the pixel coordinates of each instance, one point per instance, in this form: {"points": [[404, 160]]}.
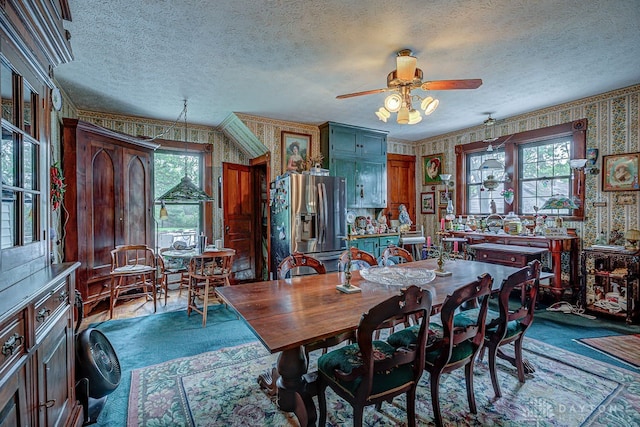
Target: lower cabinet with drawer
{"points": [[375, 244], [513, 256], [37, 359]]}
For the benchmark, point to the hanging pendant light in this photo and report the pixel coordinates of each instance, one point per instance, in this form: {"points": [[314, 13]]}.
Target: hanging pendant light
{"points": [[185, 190]]}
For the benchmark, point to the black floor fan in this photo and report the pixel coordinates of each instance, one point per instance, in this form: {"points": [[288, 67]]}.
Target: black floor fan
{"points": [[97, 368]]}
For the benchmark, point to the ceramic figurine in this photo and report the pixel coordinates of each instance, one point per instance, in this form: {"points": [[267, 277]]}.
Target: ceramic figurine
{"points": [[405, 221]]}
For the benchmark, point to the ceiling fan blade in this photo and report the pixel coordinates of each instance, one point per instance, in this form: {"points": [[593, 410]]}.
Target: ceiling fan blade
{"points": [[452, 84], [366, 92]]}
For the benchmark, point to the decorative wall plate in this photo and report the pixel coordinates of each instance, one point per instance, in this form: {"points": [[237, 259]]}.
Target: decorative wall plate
{"points": [[351, 217]]}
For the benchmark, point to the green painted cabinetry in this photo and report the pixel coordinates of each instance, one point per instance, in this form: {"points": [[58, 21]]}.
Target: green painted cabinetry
{"points": [[360, 156], [375, 245]]}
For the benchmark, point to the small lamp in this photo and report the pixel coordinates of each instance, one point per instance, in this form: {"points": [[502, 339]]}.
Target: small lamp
{"points": [[632, 236], [163, 211], [559, 202]]}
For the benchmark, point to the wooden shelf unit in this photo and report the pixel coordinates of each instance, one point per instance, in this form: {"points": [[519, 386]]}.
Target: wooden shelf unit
{"points": [[602, 269]]}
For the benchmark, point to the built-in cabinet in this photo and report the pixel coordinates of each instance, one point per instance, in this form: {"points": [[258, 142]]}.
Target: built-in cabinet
{"points": [[360, 156], [37, 358], [374, 244], [610, 283], [109, 200]]}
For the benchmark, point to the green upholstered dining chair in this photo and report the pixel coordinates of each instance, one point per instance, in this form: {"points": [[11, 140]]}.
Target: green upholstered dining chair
{"points": [[513, 320], [298, 260], [370, 371], [449, 346], [393, 255], [359, 259]]}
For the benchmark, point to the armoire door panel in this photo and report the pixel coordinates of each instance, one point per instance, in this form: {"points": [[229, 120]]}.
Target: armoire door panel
{"points": [[135, 209], [104, 215]]}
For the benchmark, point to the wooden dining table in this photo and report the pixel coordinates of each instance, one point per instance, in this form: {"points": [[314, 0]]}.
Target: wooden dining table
{"points": [[287, 314]]}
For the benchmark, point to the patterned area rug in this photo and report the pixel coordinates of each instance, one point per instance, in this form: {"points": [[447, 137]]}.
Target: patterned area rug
{"points": [[219, 388], [623, 347]]}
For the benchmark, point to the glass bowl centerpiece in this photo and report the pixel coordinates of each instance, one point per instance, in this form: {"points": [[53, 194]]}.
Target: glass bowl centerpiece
{"points": [[400, 276]]}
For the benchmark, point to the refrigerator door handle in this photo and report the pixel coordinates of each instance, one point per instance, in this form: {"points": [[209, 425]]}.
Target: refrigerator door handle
{"points": [[322, 213]]}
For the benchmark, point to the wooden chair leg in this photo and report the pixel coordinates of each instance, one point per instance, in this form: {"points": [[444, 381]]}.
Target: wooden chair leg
{"points": [[493, 354], [205, 303], [468, 373], [322, 404], [411, 407], [435, 399], [112, 296], [517, 345]]}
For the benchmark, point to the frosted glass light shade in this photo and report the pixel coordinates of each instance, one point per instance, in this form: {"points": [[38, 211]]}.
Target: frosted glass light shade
{"points": [[393, 102], [403, 116], [383, 114], [414, 117], [429, 105]]}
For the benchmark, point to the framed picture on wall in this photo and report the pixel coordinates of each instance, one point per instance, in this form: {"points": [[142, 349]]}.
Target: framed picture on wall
{"points": [[432, 168], [620, 172], [442, 197], [295, 149], [428, 203]]}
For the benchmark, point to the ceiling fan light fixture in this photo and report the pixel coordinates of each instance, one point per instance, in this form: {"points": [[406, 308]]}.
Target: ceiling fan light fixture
{"points": [[403, 115], [429, 105], [393, 102], [383, 114], [406, 65], [414, 117]]}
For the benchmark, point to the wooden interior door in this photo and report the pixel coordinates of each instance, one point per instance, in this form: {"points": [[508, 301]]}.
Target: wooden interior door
{"points": [[238, 190], [401, 185]]}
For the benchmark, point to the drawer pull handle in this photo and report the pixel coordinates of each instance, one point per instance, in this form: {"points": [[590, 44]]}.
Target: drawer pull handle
{"points": [[12, 344], [62, 296], [484, 255], [42, 314], [513, 259], [48, 403]]}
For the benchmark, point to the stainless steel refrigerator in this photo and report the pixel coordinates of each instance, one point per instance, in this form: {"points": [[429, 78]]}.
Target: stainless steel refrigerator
{"points": [[308, 215]]}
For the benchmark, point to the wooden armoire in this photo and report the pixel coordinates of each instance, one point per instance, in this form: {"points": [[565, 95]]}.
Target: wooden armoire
{"points": [[109, 200]]}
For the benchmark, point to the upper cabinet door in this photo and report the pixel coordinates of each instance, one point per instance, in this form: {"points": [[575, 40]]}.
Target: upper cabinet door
{"points": [[344, 141]]}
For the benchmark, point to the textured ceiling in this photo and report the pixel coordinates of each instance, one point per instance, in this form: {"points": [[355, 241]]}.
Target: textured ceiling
{"points": [[289, 59]]}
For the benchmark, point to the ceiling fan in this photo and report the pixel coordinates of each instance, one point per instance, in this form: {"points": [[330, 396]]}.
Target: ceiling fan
{"points": [[402, 81], [490, 123]]}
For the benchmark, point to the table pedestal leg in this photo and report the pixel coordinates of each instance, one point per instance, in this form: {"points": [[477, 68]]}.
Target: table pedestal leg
{"points": [[293, 386], [293, 391]]}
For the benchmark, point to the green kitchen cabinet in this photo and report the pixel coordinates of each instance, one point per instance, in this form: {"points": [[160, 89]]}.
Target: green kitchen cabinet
{"points": [[360, 156]]}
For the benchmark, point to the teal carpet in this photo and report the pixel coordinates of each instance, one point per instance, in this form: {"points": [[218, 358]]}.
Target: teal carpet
{"points": [[562, 330], [149, 340]]}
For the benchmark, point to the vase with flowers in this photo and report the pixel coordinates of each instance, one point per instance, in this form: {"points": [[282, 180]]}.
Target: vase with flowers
{"points": [[508, 195], [57, 186]]}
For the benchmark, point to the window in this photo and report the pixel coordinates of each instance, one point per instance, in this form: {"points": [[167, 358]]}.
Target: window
{"points": [[20, 166], [184, 219], [536, 166]]}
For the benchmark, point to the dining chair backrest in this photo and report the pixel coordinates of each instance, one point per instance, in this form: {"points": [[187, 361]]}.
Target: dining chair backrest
{"points": [[215, 266], [513, 320], [132, 256], [298, 260], [359, 259], [474, 330], [372, 371], [396, 255]]}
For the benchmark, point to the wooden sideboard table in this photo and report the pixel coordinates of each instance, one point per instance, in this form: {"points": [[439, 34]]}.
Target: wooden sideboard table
{"points": [[555, 244], [511, 255]]}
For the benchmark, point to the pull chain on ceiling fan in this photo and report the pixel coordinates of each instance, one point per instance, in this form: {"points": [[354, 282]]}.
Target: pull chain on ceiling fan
{"points": [[401, 81]]}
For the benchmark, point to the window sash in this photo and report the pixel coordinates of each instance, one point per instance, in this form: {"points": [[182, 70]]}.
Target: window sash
{"points": [[530, 189]]}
